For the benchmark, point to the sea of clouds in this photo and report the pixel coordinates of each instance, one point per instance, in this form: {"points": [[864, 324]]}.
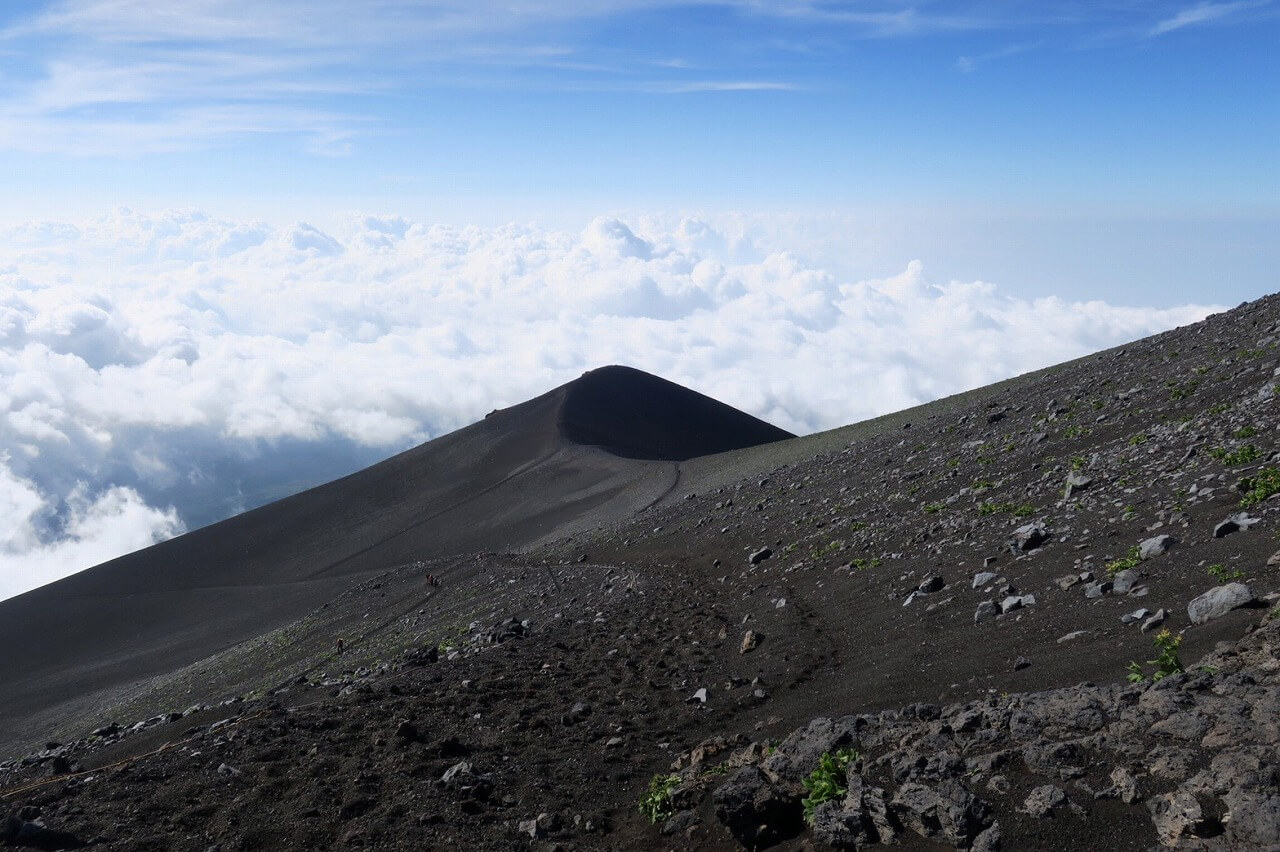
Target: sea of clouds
{"points": [[161, 371]]}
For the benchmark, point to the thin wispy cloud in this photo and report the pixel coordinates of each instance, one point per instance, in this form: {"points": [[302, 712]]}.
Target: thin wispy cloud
{"points": [[1203, 13]]}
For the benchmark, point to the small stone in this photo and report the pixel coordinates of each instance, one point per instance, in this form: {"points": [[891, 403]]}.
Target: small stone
{"points": [[982, 578], [1274, 560], [750, 641], [1021, 663], [699, 697], [1097, 588], [760, 555], [930, 584], [1155, 621], [1074, 634], [986, 610], [1136, 615], [1010, 603]]}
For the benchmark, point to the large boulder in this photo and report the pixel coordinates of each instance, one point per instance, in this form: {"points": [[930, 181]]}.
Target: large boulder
{"points": [[1218, 602]]}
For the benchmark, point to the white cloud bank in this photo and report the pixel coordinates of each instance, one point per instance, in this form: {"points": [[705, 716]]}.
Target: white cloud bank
{"points": [[168, 369]]}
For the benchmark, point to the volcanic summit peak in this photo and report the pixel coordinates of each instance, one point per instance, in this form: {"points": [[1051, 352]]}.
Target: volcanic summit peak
{"points": [[635, 414]]}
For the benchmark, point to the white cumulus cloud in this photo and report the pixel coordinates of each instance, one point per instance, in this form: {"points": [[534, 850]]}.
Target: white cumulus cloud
{"points": [[162, 370]]}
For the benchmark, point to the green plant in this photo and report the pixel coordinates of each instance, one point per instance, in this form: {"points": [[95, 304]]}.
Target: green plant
{"points": [[1244, 455], [1077, 462], [1184, 390], [1219, 572], [1166, 661], [1129, 560], [862, 563], [1138, 440], [1219, 408], [656, 802], [1026, 510], [1261, 485], [932, 508], [1074, 431], [827, 781], [1245, 432]]}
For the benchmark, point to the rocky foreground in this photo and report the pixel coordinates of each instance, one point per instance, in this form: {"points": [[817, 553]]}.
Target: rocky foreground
{"points": [[1037, 616]]}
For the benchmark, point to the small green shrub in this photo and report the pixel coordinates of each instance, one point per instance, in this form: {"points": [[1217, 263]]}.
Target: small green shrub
{"points": [[827, 781], [1129, 560], [862, 563], [1244, 455], [933, 508], [1166, 661], [1219, 572], [1261, 485], [656, 802], [1026, 510], [1138, 440], [1245, 432]]}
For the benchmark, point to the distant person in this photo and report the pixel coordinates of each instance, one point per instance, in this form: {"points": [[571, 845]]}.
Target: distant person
{"points": [[339, 646]]}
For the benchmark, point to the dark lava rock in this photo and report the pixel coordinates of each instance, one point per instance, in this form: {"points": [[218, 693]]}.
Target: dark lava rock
{"points": [[754, 812]]}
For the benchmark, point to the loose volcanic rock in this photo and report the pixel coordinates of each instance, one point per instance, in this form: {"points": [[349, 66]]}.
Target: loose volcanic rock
{"points": [[1218, 602], [1156, 546]]}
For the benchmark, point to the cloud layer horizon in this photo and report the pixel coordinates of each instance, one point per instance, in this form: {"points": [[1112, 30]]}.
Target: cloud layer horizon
{"points": [[164, 370]]}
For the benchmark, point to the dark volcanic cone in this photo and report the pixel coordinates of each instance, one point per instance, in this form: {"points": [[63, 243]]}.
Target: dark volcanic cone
{"points": [[590, 448], [631, 413]]}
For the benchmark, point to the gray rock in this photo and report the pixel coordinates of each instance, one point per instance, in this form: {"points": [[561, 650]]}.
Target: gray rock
{"points": [[1010, 603], [1176, 816], [930, 584], [1136, 615], [1074, 634], [839, 825], [985, 611], [1155, 620], [1235, 523], [949, 812], [1253, 821], [1029, 537], [1125, 581], [760, 555], [750, 641], [1156, 546], [681, 821], [983, 577], [1098, 588], [1124, 786], [1076, 482], [1218, 602], [1043, 801]]}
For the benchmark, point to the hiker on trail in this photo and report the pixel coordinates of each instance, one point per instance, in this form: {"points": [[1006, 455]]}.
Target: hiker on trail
{"points": [[339, 646]]}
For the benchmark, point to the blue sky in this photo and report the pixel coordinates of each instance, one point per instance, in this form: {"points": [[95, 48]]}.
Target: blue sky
{"points": [[248, 245]]}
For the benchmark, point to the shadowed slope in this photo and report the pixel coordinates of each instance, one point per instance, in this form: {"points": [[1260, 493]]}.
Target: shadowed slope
{"points": [[510, 479], [637, 415]]}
